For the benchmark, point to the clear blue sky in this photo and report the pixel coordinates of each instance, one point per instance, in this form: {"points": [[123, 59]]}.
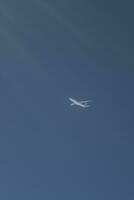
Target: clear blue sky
{"points": [[50, 51]]}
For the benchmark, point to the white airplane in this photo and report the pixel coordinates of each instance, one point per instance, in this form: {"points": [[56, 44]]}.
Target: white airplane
{"points": [[83, 104]]}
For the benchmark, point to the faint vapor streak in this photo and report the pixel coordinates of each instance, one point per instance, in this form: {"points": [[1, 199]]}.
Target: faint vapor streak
{"points": [[61, 20], [10, 37]]}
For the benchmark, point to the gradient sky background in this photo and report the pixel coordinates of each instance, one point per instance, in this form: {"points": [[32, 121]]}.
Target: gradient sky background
{"points": [[49, 51]]}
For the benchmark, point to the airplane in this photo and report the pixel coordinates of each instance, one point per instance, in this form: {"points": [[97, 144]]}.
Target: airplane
{"points": [[83, 104]]}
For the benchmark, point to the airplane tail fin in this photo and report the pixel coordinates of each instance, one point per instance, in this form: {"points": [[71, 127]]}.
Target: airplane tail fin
{"points": [[86, 106]]}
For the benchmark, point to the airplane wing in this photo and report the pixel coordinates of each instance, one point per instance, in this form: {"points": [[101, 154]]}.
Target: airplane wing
{"points": [[72, 104], [86, 101]]}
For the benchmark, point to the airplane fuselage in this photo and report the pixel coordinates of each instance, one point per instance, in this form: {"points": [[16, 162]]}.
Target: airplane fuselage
{"points": [[79, 103]]}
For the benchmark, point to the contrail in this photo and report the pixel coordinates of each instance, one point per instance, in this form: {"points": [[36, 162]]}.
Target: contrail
{"points": [[10, 32], [61, 20]]}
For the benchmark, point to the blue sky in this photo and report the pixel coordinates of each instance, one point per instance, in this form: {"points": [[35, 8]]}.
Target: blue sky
{"points": [[50, 51]]}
